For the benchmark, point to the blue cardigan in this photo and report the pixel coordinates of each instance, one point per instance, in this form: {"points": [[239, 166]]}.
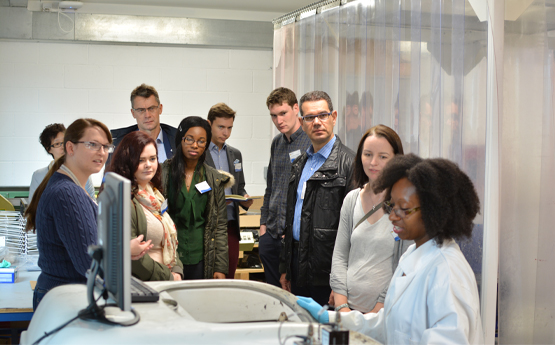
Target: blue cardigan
{"points": [[66, 226]]}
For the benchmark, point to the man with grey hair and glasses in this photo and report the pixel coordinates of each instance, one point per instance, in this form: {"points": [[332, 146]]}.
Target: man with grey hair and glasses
{"points": [[146, 110]]}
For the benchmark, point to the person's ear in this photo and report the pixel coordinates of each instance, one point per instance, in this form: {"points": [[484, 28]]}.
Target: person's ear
{"points": [[70, 148]]}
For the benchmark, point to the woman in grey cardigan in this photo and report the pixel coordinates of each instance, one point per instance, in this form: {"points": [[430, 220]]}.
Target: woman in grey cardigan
{"points": [[367, 251]]}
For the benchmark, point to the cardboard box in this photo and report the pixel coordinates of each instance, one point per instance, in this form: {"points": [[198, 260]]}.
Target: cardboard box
{"points": [[249, 221]]}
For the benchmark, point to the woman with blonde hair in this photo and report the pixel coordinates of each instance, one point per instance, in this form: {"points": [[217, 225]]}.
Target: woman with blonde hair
{"points": [[63, 211]]}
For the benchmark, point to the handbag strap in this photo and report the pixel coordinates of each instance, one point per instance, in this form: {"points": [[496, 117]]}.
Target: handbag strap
{"points": [[371, 212]]}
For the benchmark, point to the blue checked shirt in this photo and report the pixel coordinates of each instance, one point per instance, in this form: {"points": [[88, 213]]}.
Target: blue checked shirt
{"points": [[273, 211], [313, 163]]}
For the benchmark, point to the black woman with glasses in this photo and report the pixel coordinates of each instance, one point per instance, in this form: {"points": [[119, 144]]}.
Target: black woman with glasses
{"points": [[63, 212], [196, 200], [52, 139], [433, 296]]}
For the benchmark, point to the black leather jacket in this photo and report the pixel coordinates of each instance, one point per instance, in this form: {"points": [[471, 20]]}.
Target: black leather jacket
{"points": [[324, 194]]}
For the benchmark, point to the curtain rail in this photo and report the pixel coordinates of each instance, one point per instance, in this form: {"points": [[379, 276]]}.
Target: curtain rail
{"points": [[296, 15]]}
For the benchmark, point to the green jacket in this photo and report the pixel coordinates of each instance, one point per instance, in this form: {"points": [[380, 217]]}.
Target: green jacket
{"points": [[146, 268], [215, 234]]}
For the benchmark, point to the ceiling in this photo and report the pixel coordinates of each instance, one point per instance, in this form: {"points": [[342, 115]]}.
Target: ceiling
{"points": [[282, 6], [250, 10]]}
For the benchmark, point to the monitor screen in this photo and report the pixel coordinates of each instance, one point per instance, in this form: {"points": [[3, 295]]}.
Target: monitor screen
{"points": [[113, 236]]}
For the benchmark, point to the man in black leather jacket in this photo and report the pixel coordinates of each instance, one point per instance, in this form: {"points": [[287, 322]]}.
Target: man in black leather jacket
{"points": [[320, 179]]}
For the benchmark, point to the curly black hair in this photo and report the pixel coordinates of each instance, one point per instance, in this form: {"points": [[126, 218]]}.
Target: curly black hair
{"points": [[448, 200]]}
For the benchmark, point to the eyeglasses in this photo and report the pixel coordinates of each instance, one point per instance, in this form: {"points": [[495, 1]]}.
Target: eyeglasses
{"points": [[142, 111], [191, 141], [401, 213], [95, 146], [321, 117], [56, 145]]}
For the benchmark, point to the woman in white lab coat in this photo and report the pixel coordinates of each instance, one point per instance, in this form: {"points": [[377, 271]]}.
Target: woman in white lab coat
{"points": [[433, 296]]}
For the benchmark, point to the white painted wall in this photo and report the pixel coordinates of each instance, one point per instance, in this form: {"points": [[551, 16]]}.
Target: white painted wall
{"points": [[43, 83]]}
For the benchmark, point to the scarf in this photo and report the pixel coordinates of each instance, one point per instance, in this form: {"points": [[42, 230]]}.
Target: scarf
{"points": [[72, 176], [152, 200]]}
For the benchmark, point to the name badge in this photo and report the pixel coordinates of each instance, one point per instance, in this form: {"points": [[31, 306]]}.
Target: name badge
{"points": [[395, 237], [237, 164], [303, 191], [164, 207], [294, 154], [203, 187]]}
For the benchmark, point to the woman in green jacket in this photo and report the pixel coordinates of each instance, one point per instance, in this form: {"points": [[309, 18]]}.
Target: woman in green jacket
{"points": [[196, 197], [136, 158]]}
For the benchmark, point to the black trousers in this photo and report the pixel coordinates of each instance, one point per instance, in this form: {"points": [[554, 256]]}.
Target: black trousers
{"points": [[320, 294], [195, 271], [269, 249]]}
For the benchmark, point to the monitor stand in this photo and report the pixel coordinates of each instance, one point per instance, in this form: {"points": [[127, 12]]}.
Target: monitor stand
{"points": [[115, 315]]}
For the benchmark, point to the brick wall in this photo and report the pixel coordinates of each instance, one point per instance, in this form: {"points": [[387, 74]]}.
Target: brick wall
{"points": [[43, 83]]}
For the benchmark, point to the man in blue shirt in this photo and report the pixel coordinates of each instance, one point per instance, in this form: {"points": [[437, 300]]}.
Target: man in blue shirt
{"points": [[229, 159], [320, 178]]}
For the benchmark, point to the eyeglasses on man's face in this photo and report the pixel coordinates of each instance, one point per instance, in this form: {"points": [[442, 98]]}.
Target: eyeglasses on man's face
{"points": [[56, 145], [142, 111], [321, 117], [96, 146], [190, 141], [400, 212]]}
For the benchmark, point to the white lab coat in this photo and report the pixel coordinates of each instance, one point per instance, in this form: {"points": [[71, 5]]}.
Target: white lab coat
{"points": [[436, 302]]}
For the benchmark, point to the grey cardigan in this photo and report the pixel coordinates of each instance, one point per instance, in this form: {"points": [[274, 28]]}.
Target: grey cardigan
{"points": [[338, 281]]}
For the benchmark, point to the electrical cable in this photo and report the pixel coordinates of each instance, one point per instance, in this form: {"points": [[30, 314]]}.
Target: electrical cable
{"points": [[47, 334]]}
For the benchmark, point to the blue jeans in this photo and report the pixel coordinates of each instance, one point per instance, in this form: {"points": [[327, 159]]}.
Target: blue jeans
{"points": [[38, 294]]}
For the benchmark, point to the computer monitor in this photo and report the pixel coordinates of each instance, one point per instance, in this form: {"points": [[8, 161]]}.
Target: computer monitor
{"points": [[114, 229]]}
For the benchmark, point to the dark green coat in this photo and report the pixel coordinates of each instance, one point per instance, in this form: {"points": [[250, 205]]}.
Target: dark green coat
{"points": [[146, 268], [215, 232]]}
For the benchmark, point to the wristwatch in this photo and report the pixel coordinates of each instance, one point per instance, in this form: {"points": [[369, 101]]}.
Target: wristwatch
{"points": [[339, 307]]}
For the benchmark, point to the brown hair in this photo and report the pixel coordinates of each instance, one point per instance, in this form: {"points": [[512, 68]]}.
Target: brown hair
{"points": [[381, 131], [145, 91], [74, 133], [125, 160], [280, 95], [220, 110]]}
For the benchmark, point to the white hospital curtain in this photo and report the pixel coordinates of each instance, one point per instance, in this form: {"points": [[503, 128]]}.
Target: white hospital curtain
{"points": [[407, 64], [527, 220]]}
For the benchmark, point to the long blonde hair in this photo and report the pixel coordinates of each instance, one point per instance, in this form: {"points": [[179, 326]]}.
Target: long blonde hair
{"points": [[73, 133]]}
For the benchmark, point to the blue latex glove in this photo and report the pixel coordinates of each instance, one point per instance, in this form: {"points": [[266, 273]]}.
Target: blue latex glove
{"points": [[313, 308]]}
